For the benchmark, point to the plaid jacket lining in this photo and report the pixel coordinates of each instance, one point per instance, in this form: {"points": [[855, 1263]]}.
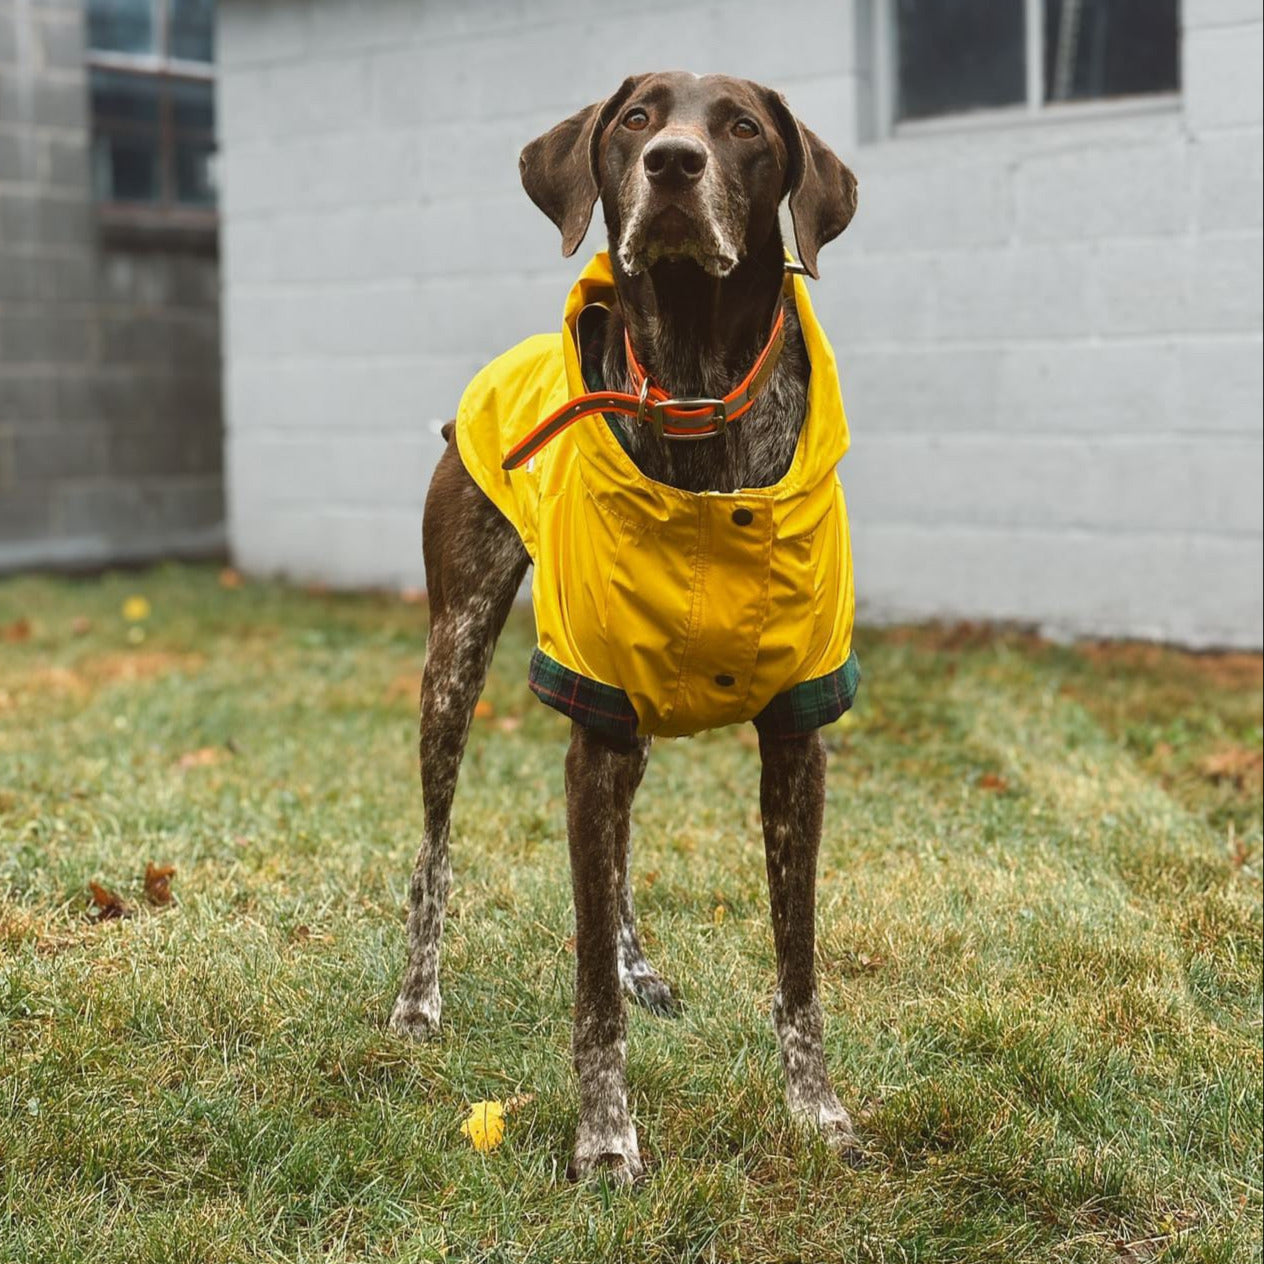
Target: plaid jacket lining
{"points": [[800, 710]]}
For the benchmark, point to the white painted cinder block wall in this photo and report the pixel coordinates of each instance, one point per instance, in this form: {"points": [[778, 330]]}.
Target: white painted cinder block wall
{"points": [[1049, 331]]}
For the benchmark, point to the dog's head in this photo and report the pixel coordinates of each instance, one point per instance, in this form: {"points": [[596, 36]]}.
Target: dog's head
{"points": [[689, 168]]}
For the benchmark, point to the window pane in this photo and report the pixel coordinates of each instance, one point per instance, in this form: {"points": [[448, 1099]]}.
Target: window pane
{"points": [[192, 29], [123, 98], [956, 55], [125, 168], [1110, 48], [195, 172], [192, 105], [121, 26]]}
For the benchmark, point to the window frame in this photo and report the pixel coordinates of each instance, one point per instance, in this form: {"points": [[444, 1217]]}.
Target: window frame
{"points": [[1034, 109], [165, 217]]}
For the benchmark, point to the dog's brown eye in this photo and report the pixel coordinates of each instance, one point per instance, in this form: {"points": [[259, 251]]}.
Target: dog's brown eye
{"points": [[745, 128], [634, 120]]}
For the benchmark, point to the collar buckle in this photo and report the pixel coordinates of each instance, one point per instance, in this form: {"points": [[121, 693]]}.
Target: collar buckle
{"points": [[713, 422]]}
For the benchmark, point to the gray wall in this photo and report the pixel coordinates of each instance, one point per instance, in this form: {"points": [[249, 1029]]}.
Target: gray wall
{"points": [[110, 419], [1049, 331]]}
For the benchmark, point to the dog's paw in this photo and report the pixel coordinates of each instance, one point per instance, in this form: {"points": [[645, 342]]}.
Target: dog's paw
{"points": [[833, 1125], [415, 1019], [652, 992], [614, 1157]]}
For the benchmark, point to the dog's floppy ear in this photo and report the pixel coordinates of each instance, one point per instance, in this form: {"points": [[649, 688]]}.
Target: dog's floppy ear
{"points": [[559, 169], [822, 189]]}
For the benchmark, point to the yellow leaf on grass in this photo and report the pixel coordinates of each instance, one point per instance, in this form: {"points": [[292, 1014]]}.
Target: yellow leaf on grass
{"points": [[718, 916], [485, 1125], [135, 609]]}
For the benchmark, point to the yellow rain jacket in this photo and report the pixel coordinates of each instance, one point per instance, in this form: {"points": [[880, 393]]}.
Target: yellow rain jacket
{"points": [[659, 611]]}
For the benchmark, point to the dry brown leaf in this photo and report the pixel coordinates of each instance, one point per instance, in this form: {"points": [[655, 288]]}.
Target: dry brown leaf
{"points": [[993, 781], [405, 686], [81, 625], [18, 630], [107, 904], [483, 710], [1234, 763], [517, 1102], [229, 578], [202, 757], [158, 884]]}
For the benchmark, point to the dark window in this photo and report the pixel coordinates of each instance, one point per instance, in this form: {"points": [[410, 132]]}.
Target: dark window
{"points": [[956, 55], [1110, 48], [952, 56], [153, 107]]}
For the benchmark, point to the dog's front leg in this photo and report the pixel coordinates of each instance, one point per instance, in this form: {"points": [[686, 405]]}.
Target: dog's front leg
{"points": [[600, 782], [792, 800]]}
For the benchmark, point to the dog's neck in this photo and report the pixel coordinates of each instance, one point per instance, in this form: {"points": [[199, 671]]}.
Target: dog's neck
{"points": [[697, 334]]}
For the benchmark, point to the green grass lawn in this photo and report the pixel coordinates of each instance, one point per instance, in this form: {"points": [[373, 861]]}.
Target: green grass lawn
{"points": [[1039, 945]]}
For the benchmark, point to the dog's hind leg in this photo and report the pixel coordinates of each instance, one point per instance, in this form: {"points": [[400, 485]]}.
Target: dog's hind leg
{"points": [[601, 779], [792, 800], [474, 565], [639, 979]]}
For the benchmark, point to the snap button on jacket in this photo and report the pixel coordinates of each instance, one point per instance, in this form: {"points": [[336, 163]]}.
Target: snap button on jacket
{"points": [[700, 607]]}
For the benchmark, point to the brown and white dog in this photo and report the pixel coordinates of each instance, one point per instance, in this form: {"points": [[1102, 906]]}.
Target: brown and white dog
{"points": [[690, 172]]}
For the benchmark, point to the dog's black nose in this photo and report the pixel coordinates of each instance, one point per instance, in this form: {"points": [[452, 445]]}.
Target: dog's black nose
{"points": [[674, 161]]}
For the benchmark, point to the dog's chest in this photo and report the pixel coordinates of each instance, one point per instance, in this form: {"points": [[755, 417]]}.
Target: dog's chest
{"points": [[755, 451]]}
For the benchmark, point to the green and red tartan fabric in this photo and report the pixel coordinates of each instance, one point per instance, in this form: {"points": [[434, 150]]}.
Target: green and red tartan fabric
{"points": [[802, 709]]}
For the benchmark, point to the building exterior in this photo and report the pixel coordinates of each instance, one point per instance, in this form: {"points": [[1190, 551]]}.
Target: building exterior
{"points": [[1047, 311], [111, 440]]}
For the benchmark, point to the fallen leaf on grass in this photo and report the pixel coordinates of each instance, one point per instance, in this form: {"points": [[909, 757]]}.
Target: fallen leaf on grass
{"points": [[1237, 764], [202, 757], [717, 918], [136, 609], [18, 630], [993, 781], [229, 578], [107, 904], [405, 686], [81, 625], [158, 884], [485, 1124], [509, 723], [483, 710]]}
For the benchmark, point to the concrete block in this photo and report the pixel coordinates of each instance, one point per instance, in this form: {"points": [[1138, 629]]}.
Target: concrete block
{"points": [[135, 512], [1230, 181], [1138, 483], [326, 95], [20, 278], [1220, 384], [1039, 291], [25, 396], [1223, 72], [61, 39], [942, 205], [1115, 191], [923, 389], [35, 338], [248, 32], [47, 452], [1196, 14], [1089, 388], [25, 515]]}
